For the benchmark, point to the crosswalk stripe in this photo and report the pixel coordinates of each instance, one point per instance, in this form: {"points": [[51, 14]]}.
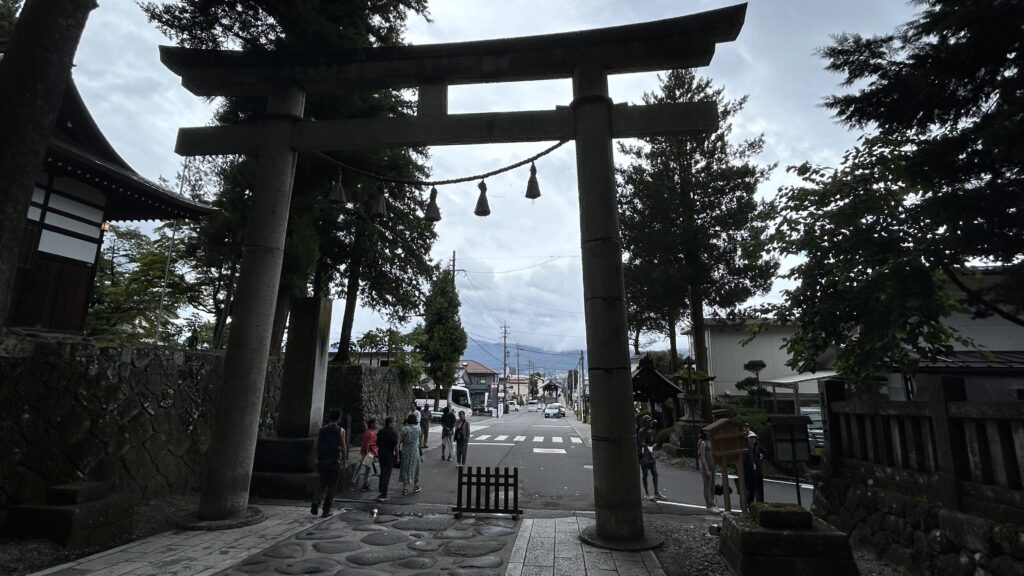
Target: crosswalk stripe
{"points": [[538, 438], [519, 438], [576, 439], [556, 439], [500, 438], [484, 437]]}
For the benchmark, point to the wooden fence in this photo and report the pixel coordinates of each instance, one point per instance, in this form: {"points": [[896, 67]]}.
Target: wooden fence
{"points": [[488, 490], [967, 455]]}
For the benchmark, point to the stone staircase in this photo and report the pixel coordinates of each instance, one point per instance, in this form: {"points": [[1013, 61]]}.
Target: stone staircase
{"points": [[79, 515]]}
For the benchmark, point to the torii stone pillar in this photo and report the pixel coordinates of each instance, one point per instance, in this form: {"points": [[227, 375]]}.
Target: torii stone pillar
{"points": [[587, 57], [239, 397], [616, 468]]}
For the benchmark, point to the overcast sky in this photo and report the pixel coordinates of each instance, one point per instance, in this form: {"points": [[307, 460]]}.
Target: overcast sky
{"points": [[522, 264]]}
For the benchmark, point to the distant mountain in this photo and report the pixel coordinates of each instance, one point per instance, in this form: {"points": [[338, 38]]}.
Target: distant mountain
{"points": [[489, 354]]}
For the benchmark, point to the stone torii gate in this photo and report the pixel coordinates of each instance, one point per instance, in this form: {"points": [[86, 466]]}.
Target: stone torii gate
{"points": [[592, 120]]}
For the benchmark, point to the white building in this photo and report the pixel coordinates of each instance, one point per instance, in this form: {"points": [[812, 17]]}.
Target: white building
{"points": [[995, 335]]}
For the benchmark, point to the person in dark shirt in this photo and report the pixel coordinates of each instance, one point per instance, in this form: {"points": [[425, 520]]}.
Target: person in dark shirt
{"points": [[447, 430], [424, 425], [331, 456], [387, 455]]}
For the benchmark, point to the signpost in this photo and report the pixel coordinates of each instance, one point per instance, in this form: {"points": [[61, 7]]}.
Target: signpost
{"points": [[790, 443]]}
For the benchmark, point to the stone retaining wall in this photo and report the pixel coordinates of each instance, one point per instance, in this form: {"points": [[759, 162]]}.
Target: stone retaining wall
{"points": [[364, 392], [918, 534], [73, 409]]}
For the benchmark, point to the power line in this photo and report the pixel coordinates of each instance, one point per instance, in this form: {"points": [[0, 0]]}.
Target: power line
{"points": [[500, 293], [530, 267]]}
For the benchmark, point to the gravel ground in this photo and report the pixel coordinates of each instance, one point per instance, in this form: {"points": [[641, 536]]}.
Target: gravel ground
{"points": [[688, 549], [19, 557]]}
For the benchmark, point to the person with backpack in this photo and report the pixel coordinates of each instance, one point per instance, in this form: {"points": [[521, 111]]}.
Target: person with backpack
{"points": [[331, 457], [447, 430], [388, 455]]}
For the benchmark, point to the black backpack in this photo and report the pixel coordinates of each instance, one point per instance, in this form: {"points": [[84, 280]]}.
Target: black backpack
{"points": [[328, 443]]}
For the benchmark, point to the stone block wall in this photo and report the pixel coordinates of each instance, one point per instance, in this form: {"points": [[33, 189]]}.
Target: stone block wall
{"points": [[365, 392], [72, 409], [918, 534]]}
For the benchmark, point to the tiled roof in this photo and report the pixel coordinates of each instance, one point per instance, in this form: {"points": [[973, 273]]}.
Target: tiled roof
{"points": [[474, 367]]}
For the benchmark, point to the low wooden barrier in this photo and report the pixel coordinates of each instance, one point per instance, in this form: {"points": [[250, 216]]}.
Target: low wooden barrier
{"points": [[487, 490]]}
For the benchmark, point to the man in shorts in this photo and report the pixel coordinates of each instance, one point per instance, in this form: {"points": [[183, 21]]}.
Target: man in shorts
{"points": [[645, 438]]}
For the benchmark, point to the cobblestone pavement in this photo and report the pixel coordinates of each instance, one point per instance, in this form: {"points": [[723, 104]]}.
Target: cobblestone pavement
{"points": [[362, 542]]}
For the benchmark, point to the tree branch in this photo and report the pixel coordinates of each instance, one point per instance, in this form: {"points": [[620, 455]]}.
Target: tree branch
{"points": [[975, 295]]}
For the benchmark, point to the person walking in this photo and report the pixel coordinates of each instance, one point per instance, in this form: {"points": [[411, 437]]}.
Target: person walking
{"points": [[387, 454], [331, 457], [425, 416], [447, 430], [368, 454], [645, 438], [410, 457], [461, 438], [706, 465], [752, 467]]}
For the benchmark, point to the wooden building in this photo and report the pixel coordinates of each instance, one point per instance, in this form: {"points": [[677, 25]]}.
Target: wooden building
{"points": [[82, 185]]}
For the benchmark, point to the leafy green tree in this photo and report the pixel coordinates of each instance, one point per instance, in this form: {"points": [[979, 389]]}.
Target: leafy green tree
{"points": [[443, 340], [132, 299], [935, 185], [868, 284], [400, 350], [947, 88], [8, 14], [384, 264], [693, 232], [535, 384]]}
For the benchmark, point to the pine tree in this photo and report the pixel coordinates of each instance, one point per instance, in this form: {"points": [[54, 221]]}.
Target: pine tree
{"points": [[692, 230], [383, 264], [444, 339]]}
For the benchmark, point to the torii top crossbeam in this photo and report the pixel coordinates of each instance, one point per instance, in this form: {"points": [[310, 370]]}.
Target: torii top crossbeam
{"points": [[684, 42]]}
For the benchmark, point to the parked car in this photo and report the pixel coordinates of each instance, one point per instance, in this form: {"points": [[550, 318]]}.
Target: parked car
{"points": [[532, 406], [553, 411], [815, 432], [512, 406]]}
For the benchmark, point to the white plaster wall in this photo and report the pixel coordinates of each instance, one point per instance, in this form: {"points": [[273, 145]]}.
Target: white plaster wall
{"points": [[726, 356]]}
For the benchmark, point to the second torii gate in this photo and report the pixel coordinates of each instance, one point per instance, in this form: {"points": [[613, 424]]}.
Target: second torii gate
{"points": [[588, 57]]}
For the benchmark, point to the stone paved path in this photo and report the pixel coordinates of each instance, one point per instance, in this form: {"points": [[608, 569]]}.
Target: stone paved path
{"points": [[356, 542]]}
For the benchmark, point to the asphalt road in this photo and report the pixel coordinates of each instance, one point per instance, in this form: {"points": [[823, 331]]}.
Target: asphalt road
{"points": [[555, 468]]}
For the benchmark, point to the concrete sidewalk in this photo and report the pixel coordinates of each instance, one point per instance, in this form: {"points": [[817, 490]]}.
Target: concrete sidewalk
{"points": [[378, 540]]}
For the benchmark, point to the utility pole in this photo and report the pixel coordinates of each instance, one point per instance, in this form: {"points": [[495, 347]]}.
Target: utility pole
{"points": [[518, 374], [504, 345], [453, 263]]}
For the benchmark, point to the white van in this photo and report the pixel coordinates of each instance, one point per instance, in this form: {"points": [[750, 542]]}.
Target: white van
{"points": [[532, 406], [457, 399]]}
